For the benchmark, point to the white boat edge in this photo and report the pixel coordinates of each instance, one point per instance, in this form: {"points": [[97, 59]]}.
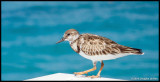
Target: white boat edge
{"points": [[70, 77]]}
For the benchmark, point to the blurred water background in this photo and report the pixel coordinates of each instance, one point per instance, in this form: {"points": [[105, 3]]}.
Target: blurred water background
{"points": [[31, 29]]}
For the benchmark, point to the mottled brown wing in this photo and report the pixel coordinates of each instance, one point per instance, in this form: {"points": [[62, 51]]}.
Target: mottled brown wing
{"points": [[97, 45]]}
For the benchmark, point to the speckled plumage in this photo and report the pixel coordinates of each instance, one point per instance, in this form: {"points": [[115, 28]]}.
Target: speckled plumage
{"points": [[96, 45], [96, 48]]}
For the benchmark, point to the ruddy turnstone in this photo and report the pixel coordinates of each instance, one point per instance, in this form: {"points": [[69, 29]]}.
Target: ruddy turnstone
{"points": [[96, 48]]}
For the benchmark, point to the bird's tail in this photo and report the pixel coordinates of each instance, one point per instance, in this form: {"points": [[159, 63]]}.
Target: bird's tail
{"points": [[137, 51]]}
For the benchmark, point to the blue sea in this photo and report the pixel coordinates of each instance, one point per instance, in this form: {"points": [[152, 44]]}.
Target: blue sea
{"points": [[31, 29]]}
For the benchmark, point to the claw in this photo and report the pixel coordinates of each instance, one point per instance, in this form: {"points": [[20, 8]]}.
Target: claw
{"points": [[78, 73], [93, 76], [87, 74], [75, 74]]}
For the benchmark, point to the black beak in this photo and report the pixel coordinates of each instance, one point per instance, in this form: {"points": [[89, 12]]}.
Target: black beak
{"points": [[60, 41]]}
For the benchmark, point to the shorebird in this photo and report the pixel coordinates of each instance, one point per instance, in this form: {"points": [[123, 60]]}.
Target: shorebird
{"points": [[96, 48]]}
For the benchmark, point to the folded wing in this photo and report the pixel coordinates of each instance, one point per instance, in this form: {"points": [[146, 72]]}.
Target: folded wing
{"points": [[97, 45]]}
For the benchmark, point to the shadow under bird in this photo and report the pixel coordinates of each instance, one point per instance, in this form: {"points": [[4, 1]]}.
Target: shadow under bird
{"points": [[96, 48]]}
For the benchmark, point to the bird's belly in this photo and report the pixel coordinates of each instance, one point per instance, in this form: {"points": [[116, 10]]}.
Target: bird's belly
{"points": [[102, 57]]}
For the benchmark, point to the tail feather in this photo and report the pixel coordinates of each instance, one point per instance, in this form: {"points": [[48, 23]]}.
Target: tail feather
{"points": [[137, 51], [125, 49]]}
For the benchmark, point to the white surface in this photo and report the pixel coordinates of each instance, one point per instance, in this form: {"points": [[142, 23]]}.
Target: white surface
{"points": [[69, 77]]}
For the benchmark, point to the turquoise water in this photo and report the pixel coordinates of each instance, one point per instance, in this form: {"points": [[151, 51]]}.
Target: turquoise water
{"points": [[31, 29]]}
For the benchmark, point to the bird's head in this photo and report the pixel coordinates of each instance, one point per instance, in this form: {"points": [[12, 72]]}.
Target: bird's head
{"points": [[70, 35]]}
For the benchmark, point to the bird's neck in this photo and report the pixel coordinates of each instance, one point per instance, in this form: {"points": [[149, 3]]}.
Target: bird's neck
{"points": [[74, 38]]}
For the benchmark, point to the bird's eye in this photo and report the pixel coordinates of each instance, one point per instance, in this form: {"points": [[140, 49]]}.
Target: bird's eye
{"points": [[68, 34]]}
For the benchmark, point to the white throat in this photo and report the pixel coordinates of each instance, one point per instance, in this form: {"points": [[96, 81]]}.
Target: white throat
{"points": [[74, 38]]}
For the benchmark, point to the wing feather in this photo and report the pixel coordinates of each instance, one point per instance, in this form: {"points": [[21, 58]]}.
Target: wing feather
{"points": [[97, 45]]}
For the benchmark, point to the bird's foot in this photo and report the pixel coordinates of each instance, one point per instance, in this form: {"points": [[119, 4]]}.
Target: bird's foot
{"points": [[87, 74], [78, 73], [94, 76]]}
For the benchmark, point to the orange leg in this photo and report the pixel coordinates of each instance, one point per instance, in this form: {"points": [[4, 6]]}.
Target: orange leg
{"points": [[84, 72], [98, 75]]}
